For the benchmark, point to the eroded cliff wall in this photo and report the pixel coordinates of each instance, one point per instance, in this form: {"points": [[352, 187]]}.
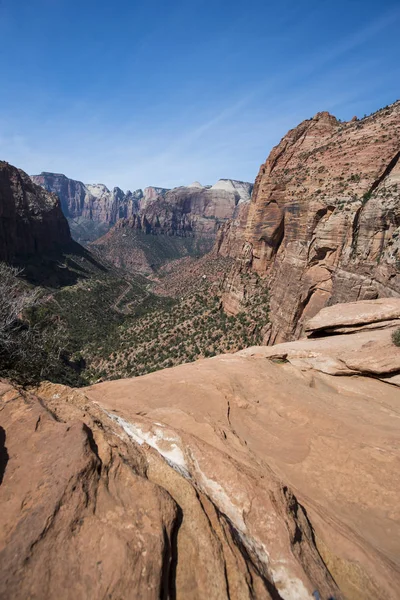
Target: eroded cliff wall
{"points": [[323, 224], [95, 202]]}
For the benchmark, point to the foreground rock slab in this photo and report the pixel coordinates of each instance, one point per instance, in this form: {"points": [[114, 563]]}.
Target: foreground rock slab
{"points": [[98, 506], [238, 477], [333, 441]]}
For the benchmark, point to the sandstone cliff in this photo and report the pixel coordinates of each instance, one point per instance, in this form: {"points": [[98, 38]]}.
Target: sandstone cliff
{"points": [[255, 475], [91, 209], [90, 201], [192, 210], [31, 220], [323, 224], [180, 222], [185, 211]]}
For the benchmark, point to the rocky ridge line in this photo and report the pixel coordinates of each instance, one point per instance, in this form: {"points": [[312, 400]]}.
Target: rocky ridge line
{"points": [[180, 211]]}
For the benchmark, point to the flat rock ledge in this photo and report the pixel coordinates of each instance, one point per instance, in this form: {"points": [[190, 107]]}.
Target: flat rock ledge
{"points": [[346, 339]]}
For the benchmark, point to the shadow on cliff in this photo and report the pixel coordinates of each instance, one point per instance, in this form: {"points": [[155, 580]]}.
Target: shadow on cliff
{"points": [[3, 454], [61, 268], [170, 562]]}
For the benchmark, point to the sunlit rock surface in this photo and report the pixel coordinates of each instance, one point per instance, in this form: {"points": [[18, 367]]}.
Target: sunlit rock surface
{"points": [[323, 224], [262, 474]]}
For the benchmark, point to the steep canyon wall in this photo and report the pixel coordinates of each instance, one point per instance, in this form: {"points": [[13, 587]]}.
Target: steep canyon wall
{"points": [[323, 224]]}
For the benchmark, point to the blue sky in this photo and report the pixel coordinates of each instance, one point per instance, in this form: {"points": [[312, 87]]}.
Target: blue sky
{"points": [[135, 93]]}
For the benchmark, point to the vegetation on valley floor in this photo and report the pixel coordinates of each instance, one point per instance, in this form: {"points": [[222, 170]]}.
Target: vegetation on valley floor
{"points": [[108, 326], [137, 251], [195, 326], [30, 350]]}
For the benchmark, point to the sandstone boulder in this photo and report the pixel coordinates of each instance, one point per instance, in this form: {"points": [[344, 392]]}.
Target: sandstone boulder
{"points": [[360, 341]]}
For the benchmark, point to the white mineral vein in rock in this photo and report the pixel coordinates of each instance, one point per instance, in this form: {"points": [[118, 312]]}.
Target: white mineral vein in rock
{"points": [[290, 588], [158, 439]]}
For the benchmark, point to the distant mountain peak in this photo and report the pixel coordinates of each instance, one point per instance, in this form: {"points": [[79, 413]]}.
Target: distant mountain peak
{"points": [[196, 184], [92, 208], [242, 188], [97, 189]]}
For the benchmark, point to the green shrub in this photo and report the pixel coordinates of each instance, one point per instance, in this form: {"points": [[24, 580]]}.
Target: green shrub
{"points": [[396, 337]]}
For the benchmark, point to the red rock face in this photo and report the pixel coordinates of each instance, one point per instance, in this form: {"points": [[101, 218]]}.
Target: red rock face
{"points": [[31, 220], [189, 210], [323, 222]]}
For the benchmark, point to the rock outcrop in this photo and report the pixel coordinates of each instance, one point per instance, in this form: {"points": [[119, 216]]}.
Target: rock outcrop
{"points": [[31, 220], [80, 518], [253, 475], [323, 224], [368, 350], [355, 316]]}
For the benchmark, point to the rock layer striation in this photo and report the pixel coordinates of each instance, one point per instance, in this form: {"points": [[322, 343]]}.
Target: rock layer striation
{"points": [[323, 224], [183, 211]]}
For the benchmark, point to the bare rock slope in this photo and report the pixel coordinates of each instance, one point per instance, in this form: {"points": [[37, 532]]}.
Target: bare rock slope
{"points": [[251, 475], [323, 224]]}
